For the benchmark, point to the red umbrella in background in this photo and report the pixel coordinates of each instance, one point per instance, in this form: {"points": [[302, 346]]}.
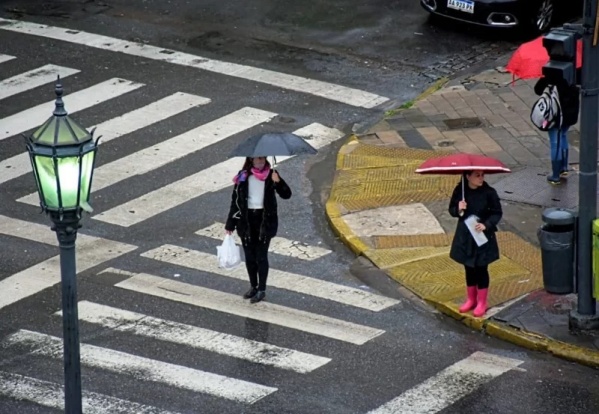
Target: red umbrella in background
{"points": [[460, 163], [528, 60]]}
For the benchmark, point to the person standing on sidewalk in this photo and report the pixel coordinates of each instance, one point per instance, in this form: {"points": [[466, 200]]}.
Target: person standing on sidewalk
{"points": [[569, 99], [253, 213], [480, 199]]}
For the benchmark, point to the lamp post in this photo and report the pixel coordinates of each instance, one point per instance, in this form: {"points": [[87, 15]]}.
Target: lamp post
{"points": [[62, 156]]}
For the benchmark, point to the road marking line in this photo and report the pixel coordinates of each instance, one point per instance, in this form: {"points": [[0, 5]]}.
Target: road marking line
{"points": [[6, 58], [224, 344], [32, 79], [145, 369], [74, 102], [278, 245], [125, 124], [263, 311], [346, 95], [51, 395], [91, 251], [205, 262], [449, 385], [214, 178]]}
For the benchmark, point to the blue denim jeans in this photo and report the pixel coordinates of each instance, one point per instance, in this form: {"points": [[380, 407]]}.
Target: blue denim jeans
{"points": [[558, 140]]}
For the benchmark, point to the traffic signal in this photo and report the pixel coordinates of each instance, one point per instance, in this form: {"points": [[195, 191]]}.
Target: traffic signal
{"points": [[561, 47]]}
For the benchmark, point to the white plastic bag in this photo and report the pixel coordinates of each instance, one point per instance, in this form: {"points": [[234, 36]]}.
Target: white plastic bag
{"points": [[228, 253]]}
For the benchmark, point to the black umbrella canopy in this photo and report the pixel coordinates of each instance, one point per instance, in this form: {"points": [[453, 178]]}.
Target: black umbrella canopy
{"points": [[273, 144]]}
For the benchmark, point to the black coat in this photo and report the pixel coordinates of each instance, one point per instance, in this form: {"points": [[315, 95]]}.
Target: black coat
{"points": [[484, 203], [238, 213], [569, 99]]}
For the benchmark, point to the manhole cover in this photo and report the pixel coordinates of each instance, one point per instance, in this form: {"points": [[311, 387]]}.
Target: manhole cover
{"points": [[462, 123]]}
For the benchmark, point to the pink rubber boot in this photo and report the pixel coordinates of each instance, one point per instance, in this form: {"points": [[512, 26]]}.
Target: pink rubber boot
{"points": [[471, 301], [481, 307]]}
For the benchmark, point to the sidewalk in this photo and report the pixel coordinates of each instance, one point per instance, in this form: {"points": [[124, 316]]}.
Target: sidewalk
{"points": [[398, 219]]}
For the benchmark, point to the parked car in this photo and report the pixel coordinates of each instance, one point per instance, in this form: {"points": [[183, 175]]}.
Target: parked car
{"points": [[530, 15]]}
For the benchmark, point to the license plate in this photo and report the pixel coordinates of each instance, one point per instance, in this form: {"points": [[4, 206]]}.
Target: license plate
{"points": [[461, 5]]}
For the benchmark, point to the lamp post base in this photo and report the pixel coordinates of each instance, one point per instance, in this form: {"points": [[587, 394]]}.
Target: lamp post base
{"points": [[579, 323]]}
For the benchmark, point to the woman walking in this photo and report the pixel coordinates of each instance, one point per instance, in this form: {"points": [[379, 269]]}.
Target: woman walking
{"points": [[253, 213], [481, 200]]}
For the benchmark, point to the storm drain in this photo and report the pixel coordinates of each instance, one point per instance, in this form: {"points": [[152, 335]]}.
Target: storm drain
{"points": [[463, 123]]}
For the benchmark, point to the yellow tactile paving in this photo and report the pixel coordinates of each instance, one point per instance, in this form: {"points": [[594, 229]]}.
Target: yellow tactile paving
{"points": [[433, 240], [370, 176]]}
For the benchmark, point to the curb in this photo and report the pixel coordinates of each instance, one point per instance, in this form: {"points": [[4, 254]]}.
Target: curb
{"points": [[492, 328], [434, 87]]}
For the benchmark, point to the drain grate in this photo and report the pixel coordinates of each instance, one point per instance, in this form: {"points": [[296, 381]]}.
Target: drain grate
{"points": [[463, 123]]}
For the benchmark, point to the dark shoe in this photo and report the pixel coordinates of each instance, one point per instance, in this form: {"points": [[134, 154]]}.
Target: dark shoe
{"points": [[258, 297], [563, 174], [250, 293]]}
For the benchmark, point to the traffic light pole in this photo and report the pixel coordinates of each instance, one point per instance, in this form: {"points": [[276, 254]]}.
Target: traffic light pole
{"points": [[585, 318]]}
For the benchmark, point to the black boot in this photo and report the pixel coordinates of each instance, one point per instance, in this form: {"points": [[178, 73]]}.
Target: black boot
{"points": [[250, 293], [258, 297], [565, 165]]}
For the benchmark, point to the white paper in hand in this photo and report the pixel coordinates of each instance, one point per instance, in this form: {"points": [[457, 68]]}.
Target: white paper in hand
{"points": [[479, 236], [228, 253]]}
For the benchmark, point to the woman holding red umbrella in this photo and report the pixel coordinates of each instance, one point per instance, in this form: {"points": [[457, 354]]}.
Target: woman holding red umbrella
{"points": [[476, 198], [473, 202]]}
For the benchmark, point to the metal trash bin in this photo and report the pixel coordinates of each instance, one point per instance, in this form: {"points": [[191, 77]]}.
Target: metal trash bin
{"points": [[557, 241]]}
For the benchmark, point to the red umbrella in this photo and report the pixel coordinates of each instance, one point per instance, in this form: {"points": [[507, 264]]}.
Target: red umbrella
{"points": [[460, 163], [528, 60]]}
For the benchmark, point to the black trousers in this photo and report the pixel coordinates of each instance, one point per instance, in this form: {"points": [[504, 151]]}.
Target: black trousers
{"points": [[256, 252], [477, 276]]}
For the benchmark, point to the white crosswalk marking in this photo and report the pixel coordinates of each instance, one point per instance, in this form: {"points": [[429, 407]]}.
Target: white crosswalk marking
{"points": [[91, 251], [32, 79], [276, 278], [278, 245], [220, 343], [51, 395], [6, 58], [145, 369], [113, 128], [170, 150], [263, 311], [449, 385], [215, 178], [326, 90], [77, 101]]}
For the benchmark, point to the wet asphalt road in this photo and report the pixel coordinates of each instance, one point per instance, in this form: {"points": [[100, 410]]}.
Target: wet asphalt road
{"points": [[385, 47]]}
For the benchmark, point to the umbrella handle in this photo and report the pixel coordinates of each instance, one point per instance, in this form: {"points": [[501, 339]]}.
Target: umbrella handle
{"points": [[461, 213], [274, 163]]}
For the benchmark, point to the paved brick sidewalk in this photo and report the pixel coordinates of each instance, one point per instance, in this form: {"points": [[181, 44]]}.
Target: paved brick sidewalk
{"points": [[384, 211]]}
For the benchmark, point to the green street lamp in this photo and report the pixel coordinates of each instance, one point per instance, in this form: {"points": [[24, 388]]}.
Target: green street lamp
{"points": [[62, 156]]}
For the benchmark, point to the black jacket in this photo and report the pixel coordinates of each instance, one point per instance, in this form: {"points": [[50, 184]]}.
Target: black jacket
{"points": [[569, 99], [238, 213], [484, 203]]}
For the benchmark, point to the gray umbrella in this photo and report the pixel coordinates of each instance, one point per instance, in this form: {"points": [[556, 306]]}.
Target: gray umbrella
{"points": [[273, 144]]}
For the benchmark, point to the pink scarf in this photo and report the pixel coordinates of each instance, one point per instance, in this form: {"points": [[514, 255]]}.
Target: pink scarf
{"points": [[261, 175]]}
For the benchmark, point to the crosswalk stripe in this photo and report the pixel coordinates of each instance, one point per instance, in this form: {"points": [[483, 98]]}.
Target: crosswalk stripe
{"points": [[215, 178], [263, 311], [276, 278], [278, 245], [346, 95], [114, 128], [158, 154], [91, 251], [220, 343], [77, 101], [6, 58], [32, 79], [51, 395], [449, 385], [145, 369], [317, 135]]}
